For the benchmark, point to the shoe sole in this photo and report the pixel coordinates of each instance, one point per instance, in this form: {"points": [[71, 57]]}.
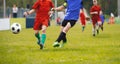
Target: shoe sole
{"points": [[57, 45]]}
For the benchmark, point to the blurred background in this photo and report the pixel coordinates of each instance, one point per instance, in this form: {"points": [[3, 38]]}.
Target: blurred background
{"points": [[108, 6]]}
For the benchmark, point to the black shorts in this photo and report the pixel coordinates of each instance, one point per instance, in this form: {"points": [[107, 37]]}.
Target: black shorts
{"points": [[14, 15], [72, 22]]}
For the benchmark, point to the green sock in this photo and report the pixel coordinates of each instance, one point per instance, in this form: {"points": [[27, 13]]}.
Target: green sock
{"points": [[37, 36], [43, 38]]}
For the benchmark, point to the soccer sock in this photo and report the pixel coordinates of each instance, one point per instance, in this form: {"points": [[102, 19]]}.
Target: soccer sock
{"points": [[61, 36], [37, 35], [43, 38], [83, 27], [64, 39]]}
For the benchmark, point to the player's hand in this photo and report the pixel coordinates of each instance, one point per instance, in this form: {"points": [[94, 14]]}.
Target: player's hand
{"points": [[53, 9], [51, 13], [25, 14], [87, 18]]}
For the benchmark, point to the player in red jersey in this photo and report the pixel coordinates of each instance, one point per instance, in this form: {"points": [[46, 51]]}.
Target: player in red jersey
{"points": [[95, 13], [42, 9], [83, 18]]}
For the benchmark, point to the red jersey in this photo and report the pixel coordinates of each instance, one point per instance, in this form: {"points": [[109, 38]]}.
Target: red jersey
{"points": [[95, 8], [42, 7]]}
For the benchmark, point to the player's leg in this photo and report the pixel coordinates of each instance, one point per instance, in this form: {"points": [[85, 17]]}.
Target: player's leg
{"points": [[102, 25], [66, 29], [97, 28], [36, 31], [99, 25], [64, 41], [94, 27], [60, 37], [37, 35], [62, 34], [82, 19], [43, 35], [94, 30]]}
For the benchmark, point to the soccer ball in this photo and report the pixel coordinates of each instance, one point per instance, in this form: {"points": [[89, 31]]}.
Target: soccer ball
{"points": [[15, 28]]}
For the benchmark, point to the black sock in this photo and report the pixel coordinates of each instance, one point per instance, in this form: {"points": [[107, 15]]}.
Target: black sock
{"points": [[64, 39], [61, 36]]}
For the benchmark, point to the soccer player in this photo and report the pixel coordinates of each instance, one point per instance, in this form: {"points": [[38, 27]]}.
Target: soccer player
{"points": [[102, 19], [72, 14], [82, 19], [42, 9], [95, 13]]}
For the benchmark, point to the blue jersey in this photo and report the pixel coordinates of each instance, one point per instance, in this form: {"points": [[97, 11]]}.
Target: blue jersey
{"points": [[73, 9], [102, 18]]}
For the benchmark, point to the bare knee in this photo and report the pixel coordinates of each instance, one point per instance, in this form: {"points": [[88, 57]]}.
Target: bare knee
{"points": [[44, 29]]}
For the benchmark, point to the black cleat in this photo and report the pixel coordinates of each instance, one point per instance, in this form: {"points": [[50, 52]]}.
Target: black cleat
{"points": [[93, 34], [97, 31], [83, 29], [102, 28], [56, 44], [41, 46]]}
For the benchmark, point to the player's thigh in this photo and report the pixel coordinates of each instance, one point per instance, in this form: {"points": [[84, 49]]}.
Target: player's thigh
{"points": [[37, 25], [64, 23], [72, 22]]}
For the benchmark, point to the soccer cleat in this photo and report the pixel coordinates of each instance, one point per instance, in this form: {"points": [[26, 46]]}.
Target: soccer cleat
{"points": [[97, 31], [41, 46], [102, 28], [83, 28], [93, 34], [62, 45], [56, 44], [38, 42]]}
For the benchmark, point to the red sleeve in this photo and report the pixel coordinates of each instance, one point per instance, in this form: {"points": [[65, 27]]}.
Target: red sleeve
{"points": [[36, 5], [51, 3]]}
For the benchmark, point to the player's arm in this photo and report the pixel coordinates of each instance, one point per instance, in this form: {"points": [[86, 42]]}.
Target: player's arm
{"points": [[34, 7], [60, 8], [94, 12], [29, 12]]}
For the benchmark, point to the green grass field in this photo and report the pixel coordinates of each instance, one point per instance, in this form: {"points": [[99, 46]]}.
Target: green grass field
{"points": [[81, 48]]}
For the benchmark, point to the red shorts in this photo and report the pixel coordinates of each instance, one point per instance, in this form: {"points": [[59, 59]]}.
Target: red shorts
{"points": [[39, 22], [96, 20]]}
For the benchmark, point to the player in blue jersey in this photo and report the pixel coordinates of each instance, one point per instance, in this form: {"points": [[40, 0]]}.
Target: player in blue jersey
{"points": [[72, 14], [102, 17]]}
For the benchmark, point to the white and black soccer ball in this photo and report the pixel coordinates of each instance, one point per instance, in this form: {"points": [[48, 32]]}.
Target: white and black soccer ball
{"points": [[15, 28]]}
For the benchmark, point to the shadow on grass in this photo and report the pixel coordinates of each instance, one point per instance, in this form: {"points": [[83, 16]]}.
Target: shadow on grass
{"points": [[103, 36], [62, 49]]}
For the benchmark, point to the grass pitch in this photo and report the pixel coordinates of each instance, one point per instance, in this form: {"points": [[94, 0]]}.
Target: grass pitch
{"points": [[81, 48]]}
